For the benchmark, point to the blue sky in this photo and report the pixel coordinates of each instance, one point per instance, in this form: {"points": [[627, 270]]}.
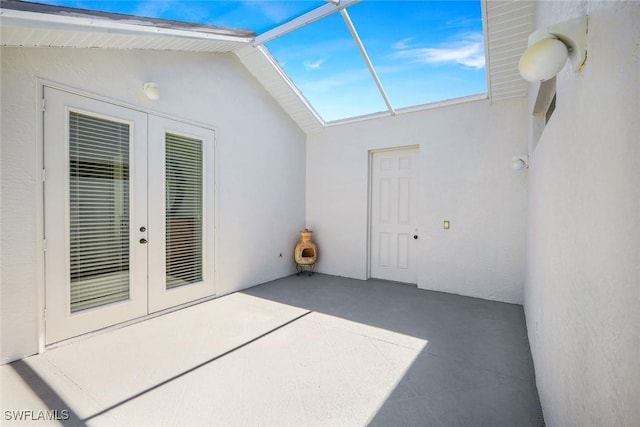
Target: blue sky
{"points": [[423, 51]]}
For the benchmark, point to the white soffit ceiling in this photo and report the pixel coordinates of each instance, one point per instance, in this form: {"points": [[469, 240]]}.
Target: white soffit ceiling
{"points": [[507, 28], [35, 25]]}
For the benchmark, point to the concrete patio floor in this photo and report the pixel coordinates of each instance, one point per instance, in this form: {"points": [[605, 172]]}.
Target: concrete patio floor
{"points": [[298, 351]]}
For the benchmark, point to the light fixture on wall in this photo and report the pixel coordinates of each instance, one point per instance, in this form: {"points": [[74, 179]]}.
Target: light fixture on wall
{"points": [[520, 162], [151, 90], [550, 47]]}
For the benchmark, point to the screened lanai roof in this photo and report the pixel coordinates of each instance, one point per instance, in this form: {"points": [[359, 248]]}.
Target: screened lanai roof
{"points": [[335, 60]]}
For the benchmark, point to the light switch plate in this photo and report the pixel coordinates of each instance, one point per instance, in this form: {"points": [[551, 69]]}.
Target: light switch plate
{"points": [[445, 224]]}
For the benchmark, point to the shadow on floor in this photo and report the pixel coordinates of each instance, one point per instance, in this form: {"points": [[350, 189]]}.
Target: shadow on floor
{"points": [[340, 351], [476, 369], [58, 409]]}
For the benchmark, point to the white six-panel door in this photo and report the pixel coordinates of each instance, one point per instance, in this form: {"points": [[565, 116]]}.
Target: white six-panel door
{"points": [[394, 233], [129, 214]]}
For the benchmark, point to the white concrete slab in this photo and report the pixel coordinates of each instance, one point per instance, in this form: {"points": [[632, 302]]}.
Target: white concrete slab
{"points": [[307, 373], [319, 351], [106, 369]]}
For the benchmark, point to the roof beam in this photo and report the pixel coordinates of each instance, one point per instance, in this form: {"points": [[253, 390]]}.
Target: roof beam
{"points": [[365, 56], [303, 20]]}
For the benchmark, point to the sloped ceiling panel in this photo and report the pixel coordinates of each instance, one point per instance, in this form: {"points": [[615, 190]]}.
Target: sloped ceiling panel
{"points": [[508, 26], [268, 73], [38, 37], [25, 24]]}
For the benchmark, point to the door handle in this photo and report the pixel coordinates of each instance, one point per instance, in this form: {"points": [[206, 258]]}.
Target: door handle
{"points": [[143, 240], [415, 237]]}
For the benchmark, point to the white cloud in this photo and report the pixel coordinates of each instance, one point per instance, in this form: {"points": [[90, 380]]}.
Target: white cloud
{"points": [[467, 51], [402, 44], [313, 65], [274, 11], [318, 87]]}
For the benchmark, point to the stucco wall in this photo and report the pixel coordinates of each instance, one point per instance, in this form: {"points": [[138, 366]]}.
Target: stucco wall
{"points": [[582, 292], [465, 177], [260, 156]]}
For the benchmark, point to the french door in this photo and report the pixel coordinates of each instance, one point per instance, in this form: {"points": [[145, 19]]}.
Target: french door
{"points": [[129, 214]]}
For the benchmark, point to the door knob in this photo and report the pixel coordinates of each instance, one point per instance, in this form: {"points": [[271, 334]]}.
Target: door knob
{"points": [[415, 237], [143, 240]]}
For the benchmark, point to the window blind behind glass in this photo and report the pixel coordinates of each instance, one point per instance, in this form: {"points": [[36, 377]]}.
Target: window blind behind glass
{"points": [[99, 211], [183, 204]]}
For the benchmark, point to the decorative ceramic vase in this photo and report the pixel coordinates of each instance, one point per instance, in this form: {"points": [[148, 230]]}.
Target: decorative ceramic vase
{"points": [[305, 252]]}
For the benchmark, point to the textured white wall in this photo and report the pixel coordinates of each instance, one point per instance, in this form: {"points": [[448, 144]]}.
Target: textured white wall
{"points": [[465, 177], [582, 292], [260, 156]]}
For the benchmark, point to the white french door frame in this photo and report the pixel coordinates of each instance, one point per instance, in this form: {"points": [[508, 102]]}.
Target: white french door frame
{"points": [[41, 242], [371, 154], [161, 298], [61, 323]]}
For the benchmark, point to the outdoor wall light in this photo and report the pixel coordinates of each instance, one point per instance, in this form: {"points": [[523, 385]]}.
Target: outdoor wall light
{"points": [[151, 90], [550, 47], [520, 162]]}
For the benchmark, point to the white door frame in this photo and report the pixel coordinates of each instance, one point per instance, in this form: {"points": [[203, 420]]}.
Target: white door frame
{"points": [[62, 324], [41, 243], [371, 154], [161, 298]]}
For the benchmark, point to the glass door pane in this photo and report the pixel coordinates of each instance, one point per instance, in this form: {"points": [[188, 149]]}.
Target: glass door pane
{"points": [[95, 204], [99, 211], [181, 213], [183, 208]]}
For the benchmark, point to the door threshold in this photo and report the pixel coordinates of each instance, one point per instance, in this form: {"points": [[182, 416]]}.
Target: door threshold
{"points": [[394, 282], [124, 324]]}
